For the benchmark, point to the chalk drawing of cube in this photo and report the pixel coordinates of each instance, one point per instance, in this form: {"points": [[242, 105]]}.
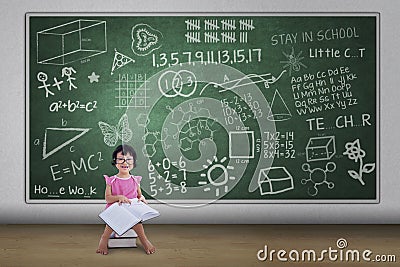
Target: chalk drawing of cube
{"points": [[320, 148], [72, 41], [274, 180], [241, 144]]}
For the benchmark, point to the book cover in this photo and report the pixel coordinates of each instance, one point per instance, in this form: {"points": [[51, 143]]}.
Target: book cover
{"points": [[127, 240]]}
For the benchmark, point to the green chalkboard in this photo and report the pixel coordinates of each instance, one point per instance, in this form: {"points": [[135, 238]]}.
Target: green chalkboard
{"points": [[221, 108]]}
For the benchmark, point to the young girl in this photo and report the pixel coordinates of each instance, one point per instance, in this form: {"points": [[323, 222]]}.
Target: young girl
{"points": [[121, 188]]}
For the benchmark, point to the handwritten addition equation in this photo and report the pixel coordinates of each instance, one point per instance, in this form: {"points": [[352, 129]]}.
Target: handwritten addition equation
{"points": [[68, 105], [72, 106], [167, 176]]}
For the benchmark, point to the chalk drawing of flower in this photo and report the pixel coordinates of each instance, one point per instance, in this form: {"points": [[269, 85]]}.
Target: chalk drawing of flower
{"points": [[354, 152]]}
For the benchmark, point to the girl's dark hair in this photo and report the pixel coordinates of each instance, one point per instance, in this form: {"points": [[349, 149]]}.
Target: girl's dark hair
{"points": [[125, 150]]}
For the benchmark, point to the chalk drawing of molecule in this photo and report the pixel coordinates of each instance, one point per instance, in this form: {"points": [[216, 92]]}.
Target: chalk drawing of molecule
{"points": [[143, 120], [194, 132], [150, 139], [191, 125], [318, 177]]}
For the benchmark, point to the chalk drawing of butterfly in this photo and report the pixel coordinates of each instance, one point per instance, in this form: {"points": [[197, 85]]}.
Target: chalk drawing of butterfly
{"points": [[113, 133]]}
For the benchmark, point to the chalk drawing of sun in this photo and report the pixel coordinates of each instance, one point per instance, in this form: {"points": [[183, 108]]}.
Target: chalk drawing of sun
{"points": [[217, 175]]}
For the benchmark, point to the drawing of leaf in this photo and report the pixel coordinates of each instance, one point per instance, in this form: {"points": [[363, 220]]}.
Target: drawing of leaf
{"points": [[369, 167], [353, 174]]}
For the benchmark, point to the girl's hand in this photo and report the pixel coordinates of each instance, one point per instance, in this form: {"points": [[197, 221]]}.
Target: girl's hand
{"points": [[123, 199], [141, 198]]}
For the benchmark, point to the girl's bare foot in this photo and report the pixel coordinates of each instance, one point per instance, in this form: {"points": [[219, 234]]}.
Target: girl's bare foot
{"points": [[148, 247], [103, 248]]}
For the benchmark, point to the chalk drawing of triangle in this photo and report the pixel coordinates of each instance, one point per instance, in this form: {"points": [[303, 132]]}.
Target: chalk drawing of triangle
{"points": [[71, 133], [120, 57]]}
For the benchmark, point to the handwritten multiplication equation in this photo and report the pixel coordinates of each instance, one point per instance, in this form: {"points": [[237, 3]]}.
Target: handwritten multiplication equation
{"points": [[225, 56], [279, 145]]}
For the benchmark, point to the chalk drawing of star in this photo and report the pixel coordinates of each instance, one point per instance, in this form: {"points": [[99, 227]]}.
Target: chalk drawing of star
{"points": [[94, 77]]}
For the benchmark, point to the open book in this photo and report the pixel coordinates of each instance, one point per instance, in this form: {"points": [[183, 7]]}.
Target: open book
{"points": [[123, 217]]}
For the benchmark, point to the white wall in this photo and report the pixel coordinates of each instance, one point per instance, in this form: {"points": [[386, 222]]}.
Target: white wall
{"points": [[13, 208]]}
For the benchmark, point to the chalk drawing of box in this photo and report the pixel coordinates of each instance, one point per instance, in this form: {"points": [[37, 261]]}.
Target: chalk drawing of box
{"points": [[72, 41], [320, 148], [274, 180]]}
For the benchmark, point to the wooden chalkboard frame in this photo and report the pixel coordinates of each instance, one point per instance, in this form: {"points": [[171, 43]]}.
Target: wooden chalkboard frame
{"points": [[194, 202]]}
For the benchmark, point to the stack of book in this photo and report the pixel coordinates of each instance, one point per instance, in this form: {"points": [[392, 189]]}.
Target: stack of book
{"points": [[127, 240]]}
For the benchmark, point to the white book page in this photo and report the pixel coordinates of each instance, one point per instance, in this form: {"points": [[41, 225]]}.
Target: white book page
{"points": [[119, 218], [141, 210]]}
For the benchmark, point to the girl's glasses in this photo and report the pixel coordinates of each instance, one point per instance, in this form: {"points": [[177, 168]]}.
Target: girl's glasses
{"points": [[122, 160]]}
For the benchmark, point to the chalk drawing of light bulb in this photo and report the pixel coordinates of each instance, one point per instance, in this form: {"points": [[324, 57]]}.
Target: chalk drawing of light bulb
{"points": [[317, 177]]}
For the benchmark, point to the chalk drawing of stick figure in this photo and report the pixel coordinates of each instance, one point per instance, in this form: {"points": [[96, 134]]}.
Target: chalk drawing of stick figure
{"points": [[42, 77], [68, 71]]}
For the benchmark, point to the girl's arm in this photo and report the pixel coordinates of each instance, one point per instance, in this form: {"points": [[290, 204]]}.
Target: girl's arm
{"points": [[110, 198], [140, 196]]}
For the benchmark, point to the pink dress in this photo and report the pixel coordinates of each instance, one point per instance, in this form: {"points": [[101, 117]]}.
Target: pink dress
{"points": [[123, 186]]}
